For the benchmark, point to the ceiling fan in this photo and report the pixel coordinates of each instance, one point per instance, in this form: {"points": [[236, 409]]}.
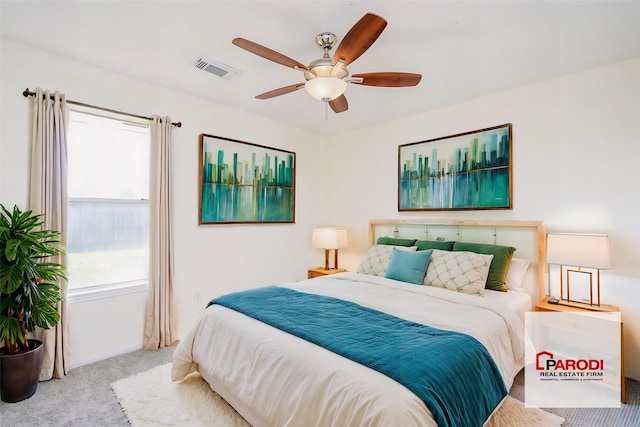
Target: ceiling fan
{"points": [[327, 78]]}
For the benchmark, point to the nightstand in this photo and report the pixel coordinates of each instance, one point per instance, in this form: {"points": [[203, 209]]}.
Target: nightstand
{"points": [[545, 306], [320, 271]]}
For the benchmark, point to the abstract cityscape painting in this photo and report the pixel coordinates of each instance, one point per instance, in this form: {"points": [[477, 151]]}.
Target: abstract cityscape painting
{"points": [[470, 170], [242, 182]]}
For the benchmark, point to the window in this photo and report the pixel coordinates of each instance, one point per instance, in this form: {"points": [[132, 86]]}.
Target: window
{"points": [[108, 217]]}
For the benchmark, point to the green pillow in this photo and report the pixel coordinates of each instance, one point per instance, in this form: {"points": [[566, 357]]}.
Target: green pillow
{"points": [[501, 258], [434, 244], [409, 267], [395, 242]]}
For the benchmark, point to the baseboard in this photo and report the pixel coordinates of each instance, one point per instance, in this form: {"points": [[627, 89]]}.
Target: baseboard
{"points": [[122, 350]]}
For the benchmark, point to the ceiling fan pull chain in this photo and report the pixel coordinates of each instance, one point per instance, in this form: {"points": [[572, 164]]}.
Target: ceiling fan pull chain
{"points": [[326, 111]]}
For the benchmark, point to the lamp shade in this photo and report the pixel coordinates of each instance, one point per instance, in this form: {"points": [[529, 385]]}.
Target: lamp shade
{"points": [[329, 238], [326, 88], [579, 250]]}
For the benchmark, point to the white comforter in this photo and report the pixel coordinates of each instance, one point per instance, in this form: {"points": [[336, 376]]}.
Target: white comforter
{"points": [[275, 379]]}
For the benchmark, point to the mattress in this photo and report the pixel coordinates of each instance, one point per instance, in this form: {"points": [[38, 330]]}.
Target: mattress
{"points": [[273, 378], [517, 301]]}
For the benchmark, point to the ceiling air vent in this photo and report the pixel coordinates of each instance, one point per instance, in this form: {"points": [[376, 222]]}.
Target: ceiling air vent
{"points": [[217, 68]]}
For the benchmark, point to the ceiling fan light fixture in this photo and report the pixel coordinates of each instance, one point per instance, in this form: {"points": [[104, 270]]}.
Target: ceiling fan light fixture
{"points": [[326, 88]]}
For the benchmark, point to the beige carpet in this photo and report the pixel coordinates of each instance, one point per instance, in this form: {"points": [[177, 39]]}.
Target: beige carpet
{"points": [[151, 399]]}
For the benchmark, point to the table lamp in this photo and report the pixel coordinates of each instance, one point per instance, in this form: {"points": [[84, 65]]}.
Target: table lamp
{"points": [[579, 251], [329, 238]]}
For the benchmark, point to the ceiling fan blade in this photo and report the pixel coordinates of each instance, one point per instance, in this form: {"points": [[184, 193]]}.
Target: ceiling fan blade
{"points": [[359, 38], [387, 79], [280, 91], [267, 53], [339, 104]]}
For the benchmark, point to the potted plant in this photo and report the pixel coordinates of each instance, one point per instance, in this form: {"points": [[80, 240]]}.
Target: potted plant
{"points": [[28, 296]]}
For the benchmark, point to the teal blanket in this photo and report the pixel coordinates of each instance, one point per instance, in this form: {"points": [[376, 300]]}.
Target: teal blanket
{"points": [[451, 372]]}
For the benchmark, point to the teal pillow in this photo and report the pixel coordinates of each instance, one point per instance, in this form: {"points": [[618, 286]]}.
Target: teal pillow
{"points": [[497, 279], [395, 242], [434, 244], [409, 267]]}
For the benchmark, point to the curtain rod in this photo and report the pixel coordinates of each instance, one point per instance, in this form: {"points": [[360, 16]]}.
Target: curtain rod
{"points": [[27, 93]]}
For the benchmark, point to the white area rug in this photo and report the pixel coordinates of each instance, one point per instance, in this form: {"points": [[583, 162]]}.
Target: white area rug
{"points": [[513, 413], [151, 399]]}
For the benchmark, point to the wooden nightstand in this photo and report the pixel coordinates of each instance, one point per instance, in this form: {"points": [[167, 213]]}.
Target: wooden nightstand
{"points": [[320, 271], [545, 306]]}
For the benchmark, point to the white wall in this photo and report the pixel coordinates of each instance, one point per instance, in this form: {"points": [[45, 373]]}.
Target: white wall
{"points": [[576, 142], [576, 147], [209, 260]]}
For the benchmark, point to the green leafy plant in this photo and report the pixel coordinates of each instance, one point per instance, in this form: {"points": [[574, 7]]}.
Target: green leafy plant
{"points": [[28, 280]]}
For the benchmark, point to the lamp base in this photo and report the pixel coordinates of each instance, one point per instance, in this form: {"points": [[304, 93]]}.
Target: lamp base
{"points": [[335, 260], [586, 306], [592, 302]]}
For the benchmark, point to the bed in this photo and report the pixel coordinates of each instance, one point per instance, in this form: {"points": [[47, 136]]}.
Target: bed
{"points": [[277, 371]]}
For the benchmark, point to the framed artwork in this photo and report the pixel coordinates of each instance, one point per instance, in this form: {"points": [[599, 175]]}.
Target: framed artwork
{"points": [[470, 170], [242, 182]]}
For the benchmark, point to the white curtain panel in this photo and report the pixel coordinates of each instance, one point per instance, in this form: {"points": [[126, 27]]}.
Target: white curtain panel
{"points": [[48, 196], [159, 328]]}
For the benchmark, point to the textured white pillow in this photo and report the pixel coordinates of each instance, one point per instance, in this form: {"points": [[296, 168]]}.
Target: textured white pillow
{"points": [[376, 260], [458, 271], [515, 274]]}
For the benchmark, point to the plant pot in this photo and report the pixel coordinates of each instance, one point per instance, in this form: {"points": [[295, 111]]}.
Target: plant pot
{"points": [[19, 373]]}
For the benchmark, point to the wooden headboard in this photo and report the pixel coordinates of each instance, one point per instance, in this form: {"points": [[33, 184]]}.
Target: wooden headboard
{"points": [[528, 237]]}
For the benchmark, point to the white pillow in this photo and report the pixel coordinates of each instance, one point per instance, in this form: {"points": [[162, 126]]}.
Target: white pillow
{"points": [[458, 271], [376, 260], [516, 272]]}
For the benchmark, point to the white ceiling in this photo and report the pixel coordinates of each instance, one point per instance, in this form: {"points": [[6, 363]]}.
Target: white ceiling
{"points": [[463, 49]]}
